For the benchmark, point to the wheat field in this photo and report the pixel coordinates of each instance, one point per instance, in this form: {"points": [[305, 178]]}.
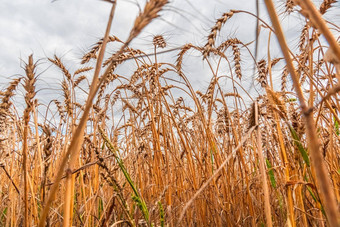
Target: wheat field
{"points": [[148, 149]]}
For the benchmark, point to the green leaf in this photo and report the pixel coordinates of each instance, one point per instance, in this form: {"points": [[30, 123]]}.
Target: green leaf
{"points": [[299, 145], [4, 214], [336, 126], [316, 199], [136, 197], [161, 213], [100, 207], [271, 174]]}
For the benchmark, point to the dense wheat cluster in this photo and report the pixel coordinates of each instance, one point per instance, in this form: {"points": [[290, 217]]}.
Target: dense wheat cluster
{"points": [[146, 149]]}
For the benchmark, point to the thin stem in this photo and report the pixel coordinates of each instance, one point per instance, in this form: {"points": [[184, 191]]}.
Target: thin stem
{"points": [[78, 138], [323, 182]]}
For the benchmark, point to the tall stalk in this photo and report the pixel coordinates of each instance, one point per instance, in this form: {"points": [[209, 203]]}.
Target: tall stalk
{"points": [[30, 93], [78, 138], [323, 181]]}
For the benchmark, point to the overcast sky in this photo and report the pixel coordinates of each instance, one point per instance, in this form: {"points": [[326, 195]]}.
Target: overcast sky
{"points": [[68, 28]]}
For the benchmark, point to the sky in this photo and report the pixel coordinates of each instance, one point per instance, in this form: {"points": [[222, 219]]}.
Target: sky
{"points": [[68, 28]]}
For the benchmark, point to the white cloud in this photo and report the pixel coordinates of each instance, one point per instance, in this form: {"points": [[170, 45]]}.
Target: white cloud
{"points": [[69, 27]]}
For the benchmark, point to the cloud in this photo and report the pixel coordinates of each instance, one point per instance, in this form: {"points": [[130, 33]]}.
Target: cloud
{"points": [[69, 28]]}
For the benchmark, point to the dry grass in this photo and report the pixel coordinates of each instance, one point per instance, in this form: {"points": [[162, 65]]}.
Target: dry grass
{"points": [[146, 149]]}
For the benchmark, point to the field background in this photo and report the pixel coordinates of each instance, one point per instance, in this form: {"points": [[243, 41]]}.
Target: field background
{"points": [[175, 116]]}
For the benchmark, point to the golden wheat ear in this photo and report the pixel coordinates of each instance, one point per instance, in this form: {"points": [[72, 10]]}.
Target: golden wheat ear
{"points": [[214, 30], [29, 85]]}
